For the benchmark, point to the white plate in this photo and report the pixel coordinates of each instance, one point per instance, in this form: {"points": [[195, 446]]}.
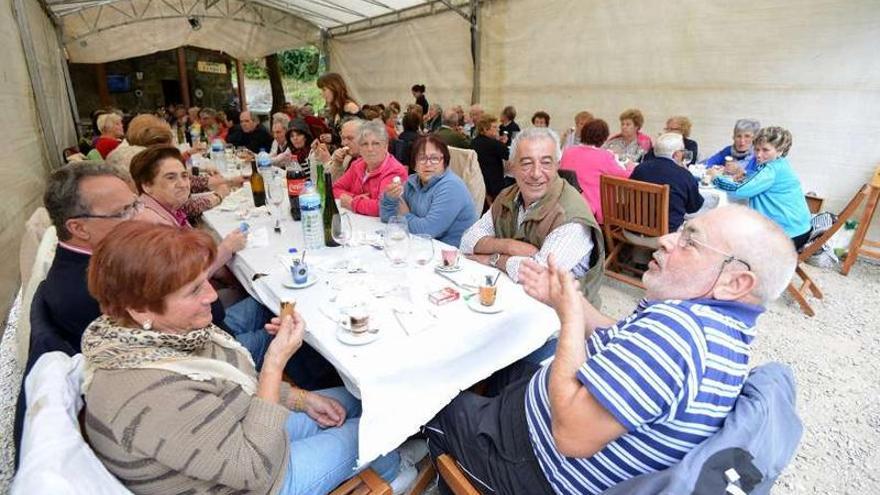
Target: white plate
{"points": [[313, 279], [474, 304], [449, 269], [349, 338]]}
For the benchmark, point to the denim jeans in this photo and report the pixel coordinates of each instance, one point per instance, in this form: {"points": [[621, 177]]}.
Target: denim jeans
{"points": [[321, 459], [310, 371]]}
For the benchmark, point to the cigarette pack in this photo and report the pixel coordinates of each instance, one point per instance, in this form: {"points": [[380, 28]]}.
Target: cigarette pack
{"points": [[443, 296]]}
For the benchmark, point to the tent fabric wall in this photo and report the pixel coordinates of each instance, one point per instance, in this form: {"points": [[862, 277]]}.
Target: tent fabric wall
{"points": [[382, 64], [23, 163], [120, 30], [806, 65]]}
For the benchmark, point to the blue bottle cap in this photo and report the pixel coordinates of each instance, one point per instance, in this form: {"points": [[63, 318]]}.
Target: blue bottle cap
{"points": [[244, 227]]}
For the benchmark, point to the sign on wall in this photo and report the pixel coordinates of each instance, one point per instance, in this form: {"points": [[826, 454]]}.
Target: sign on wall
{"points": [[211, 67]]}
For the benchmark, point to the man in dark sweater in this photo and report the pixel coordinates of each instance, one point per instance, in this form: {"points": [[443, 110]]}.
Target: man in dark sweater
{"points": [[664, 168], [250, 134], [85, 202]]}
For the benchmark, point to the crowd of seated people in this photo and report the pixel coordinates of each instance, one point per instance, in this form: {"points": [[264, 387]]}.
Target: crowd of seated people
{"points": [[132, 277]]}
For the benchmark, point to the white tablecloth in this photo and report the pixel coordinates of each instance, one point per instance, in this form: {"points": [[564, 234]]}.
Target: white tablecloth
{"points": [[403, 381]]}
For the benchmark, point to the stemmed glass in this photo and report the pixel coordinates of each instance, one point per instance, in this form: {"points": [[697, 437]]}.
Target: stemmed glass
{"points": [[340, 229], [396, 241], [423, 248], [275, 193]]}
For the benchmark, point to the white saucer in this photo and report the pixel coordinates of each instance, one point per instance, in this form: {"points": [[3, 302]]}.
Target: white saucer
{"points": [[449, 269], [474, 304], [349, 338], [313, 279]]}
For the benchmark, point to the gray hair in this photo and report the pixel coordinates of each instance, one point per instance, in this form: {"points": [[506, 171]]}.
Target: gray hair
{"points": [[667, 144], [376, 129], [777, 137], [106, 121], [62, 198], [533, 133], [281, 118], [450, 118], [746, 125], [765, 247]]}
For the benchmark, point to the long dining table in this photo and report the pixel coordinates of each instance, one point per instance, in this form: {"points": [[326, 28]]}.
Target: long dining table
{"points": [[421, 354]]}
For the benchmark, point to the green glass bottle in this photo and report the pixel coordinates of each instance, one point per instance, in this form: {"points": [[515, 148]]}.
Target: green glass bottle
{"points": [[330, 209]]}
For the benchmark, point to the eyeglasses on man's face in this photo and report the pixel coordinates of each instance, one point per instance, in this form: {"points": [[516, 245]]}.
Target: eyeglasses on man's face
{"points": [[126, 213], [688, 237]]}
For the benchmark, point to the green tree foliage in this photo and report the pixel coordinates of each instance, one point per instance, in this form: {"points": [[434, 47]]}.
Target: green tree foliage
{"points": [[300, 64]]}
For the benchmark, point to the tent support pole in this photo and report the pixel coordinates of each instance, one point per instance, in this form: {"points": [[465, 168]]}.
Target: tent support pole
{"points": [[242, 94], [476, 54], [182, 75], [324, 49], [68, 83], [50, 142]]}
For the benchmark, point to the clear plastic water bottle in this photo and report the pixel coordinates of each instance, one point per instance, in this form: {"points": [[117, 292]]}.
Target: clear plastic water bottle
{"points": [[264, 165], [310, 213], [218, 155]]}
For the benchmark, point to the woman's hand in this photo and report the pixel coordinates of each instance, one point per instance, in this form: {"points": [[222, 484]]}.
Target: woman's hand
{"points": [[236, 181], [234, 242], [394, 190], [288, 339], [402, 207], [325, 411]]}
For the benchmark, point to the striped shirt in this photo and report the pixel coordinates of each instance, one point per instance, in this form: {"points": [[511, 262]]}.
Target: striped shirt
{"points": [[669, 373]]}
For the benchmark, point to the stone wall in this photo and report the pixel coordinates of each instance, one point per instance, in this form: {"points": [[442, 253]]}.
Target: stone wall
{"points": [[217, 91]]}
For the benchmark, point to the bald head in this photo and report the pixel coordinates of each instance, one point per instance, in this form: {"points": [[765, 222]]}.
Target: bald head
{"points": [[731, 253]]}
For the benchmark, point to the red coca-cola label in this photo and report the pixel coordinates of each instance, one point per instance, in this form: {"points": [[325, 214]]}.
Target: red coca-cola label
{"points": [[295, 186]]}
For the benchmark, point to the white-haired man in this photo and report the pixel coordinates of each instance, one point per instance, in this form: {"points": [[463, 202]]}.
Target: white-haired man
{"points": [[449, 133], [539, 215], [337, 163], [475, 113], [626, 397], [665, 168]]}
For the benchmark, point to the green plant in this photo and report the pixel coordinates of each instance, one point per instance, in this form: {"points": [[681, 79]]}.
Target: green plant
{"points": [[255, 69], [301, 64]]}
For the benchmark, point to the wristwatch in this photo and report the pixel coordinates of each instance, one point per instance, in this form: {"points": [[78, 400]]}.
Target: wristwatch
{"points": [[493, 260]]}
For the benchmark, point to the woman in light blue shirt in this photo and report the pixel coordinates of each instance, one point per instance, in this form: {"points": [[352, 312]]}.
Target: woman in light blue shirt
{"points": [[433, 200], [773, 189]]}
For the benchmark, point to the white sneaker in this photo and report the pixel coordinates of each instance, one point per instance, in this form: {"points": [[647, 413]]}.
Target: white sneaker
{"points": [[411, 452]]}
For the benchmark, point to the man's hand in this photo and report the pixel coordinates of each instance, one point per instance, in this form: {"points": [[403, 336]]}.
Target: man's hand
{"points": [[566, 299], [325, 411], [345, 201], [339, 155], [513, 247], [479, 258], [326, 137], [535, 279]]}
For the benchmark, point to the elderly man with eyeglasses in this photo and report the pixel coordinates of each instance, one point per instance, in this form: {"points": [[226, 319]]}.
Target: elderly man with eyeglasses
{"points": [[630, 396], [539, 215]]}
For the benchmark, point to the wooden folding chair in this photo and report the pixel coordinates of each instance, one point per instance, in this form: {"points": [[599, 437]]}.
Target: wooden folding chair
{"points": [[367, 482], [456, 480], [799, 290], [635, 208], [859, 245]]}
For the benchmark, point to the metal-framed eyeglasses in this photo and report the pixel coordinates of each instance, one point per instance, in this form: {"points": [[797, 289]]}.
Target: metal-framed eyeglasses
{"points": [[686, 239], [127, 213]]}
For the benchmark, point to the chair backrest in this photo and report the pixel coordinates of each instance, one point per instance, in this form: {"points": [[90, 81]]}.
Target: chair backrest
{"points": [[636, 206], [814, 203], [41, 261], [465, 164]]}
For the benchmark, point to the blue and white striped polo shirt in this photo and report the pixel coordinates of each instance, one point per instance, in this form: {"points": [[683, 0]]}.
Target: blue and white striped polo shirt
{"points": [[669, 373]]}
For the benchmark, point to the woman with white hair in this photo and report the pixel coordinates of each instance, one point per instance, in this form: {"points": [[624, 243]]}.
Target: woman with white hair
{"points": [[362, 185], [112, 133], [773, 189], [741, 151]]}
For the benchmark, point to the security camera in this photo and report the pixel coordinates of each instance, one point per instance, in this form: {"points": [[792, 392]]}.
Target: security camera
{"points": [[194, 23]]}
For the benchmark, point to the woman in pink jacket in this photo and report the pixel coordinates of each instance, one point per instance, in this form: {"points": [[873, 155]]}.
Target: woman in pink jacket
{"points": [[590, 161], [360, 188]]}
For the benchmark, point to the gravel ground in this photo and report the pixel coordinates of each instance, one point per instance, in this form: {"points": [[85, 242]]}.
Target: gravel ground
{"points": [[835, 357]]}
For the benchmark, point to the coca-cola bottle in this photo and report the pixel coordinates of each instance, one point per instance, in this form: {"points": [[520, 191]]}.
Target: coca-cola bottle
{"points": [[296, 180]]}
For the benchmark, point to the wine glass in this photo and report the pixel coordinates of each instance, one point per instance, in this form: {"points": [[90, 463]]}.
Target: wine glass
{"points": [[396, 240], [686, 157], [340, 229], [275, 194], [423, 248]]}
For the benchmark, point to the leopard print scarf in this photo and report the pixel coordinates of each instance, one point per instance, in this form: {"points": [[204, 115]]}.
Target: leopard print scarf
{"points": [[107, 345]]}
